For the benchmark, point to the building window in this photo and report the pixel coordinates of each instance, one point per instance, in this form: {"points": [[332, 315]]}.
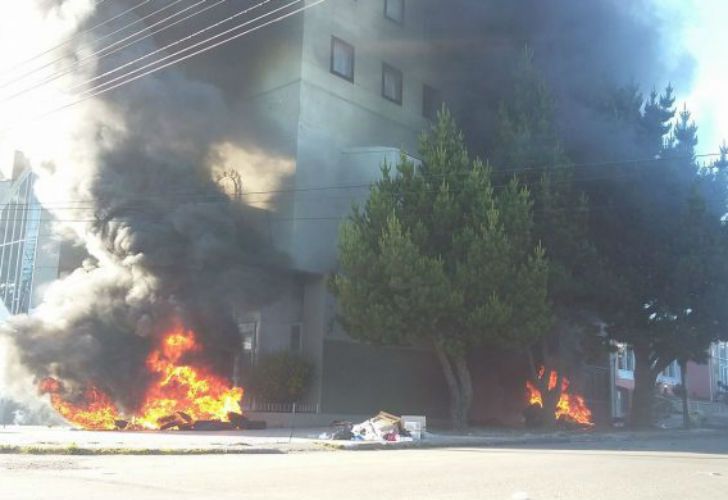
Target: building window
{"points": [[296, 338], [342, 59], [431, 102], [249, 340], [246, 354], [20, 221], [671, 371], [722, 362], [394, 10], [392, 84], [625, 359]]}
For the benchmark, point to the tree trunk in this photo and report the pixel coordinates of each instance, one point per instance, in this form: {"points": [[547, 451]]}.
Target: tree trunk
{"points": [[644, 390], [684, 395], [466, 390], [459, 384]]}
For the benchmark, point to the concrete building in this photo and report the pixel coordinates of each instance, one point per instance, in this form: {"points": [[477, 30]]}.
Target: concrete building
{"points": [[29, 256], [327, 97], [706, 383]]}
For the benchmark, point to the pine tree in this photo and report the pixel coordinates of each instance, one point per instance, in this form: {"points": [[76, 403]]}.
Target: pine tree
{"points": [[527, 145], [438, 257], [657, 117], [685, 135], [721, 164], [665, 253]]}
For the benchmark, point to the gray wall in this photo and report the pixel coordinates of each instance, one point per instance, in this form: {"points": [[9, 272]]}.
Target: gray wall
{"points": [[336, 133], [339, 117], [364, 379]]}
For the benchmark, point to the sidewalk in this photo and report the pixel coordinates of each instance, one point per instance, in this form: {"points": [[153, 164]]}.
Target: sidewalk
{"points": [[66, 441], [494, 439]]}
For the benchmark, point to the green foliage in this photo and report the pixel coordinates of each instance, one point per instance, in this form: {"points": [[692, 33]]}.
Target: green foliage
{"points": [[657, 119], [281, 377], [527, 144], [685, 136], [667, 252], [437, 256], [663, 243]]}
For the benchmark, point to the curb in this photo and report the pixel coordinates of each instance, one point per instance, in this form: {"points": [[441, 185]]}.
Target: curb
{"points": [[322, 446], [495, 443], [84, 451]]}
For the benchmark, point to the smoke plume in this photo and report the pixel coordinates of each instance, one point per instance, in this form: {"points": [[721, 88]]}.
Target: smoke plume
{"points": [[582, 49], [131, 181], [128, 175]]}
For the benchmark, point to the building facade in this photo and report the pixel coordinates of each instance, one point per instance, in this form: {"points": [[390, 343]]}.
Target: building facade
{"points": [[325, 99], [29, 256], [705, 382]]}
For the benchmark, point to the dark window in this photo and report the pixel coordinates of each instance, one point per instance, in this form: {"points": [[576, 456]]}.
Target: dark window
{"points": [[394, 10], [246, 353], [342, 59], [296, 338], [392, 83], [431, 102]]}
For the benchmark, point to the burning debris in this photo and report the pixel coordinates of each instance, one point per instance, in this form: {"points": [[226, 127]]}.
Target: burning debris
{"points": [[180, 394], [571, 408], [162, 241]]}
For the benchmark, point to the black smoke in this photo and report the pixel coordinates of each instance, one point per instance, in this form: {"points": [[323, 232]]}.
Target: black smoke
{"points": [[583, 49], [165, 244]]}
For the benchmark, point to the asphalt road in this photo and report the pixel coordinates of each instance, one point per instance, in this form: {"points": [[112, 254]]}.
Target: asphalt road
{"points": [[642, 470]]}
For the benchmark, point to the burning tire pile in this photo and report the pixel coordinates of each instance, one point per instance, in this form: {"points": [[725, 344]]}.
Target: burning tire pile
{"points": [[180, 395]]}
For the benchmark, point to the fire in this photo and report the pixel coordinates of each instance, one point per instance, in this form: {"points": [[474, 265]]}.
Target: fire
{"points": [[96, 412], [175, 387], [571, 407], [181, 388]]}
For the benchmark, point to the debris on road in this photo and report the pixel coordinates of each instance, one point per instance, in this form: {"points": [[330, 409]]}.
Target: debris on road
{"points": [[383, 427]]}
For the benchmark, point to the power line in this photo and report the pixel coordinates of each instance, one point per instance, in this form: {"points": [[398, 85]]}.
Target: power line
{"points": [[130, 41], [175, 43], [197, 196], [136, 209], [75, 36], [171, 63], [83, 60], [268, 217], [122, 44]]}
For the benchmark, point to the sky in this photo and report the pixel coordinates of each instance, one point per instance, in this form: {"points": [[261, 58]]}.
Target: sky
{"points": [[702, 31]]}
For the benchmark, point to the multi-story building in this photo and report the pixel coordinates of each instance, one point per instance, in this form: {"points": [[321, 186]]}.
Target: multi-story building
{"points": [[325, 99], [705, 382], [29, 256]]}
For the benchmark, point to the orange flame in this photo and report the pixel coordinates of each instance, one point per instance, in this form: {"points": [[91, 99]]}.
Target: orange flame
{"points": [[175, 387], [95, 412], [571, 407]]}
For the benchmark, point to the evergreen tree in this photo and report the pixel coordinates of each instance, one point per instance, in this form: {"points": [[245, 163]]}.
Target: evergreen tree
{"points": [[666, 254], [685, 136], [721, 164], [657, 117], [526, 144], [438, 257]]}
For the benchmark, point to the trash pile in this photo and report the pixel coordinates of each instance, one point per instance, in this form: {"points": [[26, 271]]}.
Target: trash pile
{"points": [[384, 427]]}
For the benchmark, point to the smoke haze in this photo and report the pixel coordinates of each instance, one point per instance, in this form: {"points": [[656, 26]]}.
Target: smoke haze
{"points": [[163, 241], [581, 48]]}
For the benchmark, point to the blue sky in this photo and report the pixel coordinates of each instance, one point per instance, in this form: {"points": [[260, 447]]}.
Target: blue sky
{"points": [[702, 30]]}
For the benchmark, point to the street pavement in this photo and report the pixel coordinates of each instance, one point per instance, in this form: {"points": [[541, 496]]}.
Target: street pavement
{"points": [[660, 469]]}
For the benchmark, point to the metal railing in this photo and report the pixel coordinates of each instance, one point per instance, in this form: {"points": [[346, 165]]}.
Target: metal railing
{"points": [[251, 405], [708, 408]]}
